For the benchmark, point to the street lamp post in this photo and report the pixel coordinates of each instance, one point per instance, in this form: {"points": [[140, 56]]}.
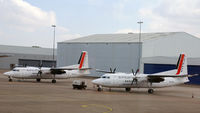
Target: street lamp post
{"points": [[54, 26], [140, 22]]}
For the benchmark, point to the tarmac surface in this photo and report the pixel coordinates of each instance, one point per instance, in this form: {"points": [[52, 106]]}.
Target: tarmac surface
{"points": [[28, 96]]}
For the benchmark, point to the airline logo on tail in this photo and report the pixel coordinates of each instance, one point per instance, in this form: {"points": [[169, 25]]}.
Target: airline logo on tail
{"points": [[180, 64], [81, 60]]}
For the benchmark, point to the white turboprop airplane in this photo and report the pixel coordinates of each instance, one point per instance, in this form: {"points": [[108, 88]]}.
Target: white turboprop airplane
{"points": [[39, 73], [150, 81]]}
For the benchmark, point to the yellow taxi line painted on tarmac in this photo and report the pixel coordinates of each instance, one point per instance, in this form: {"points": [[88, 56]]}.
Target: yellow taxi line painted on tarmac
{"points": [[97, 105]]}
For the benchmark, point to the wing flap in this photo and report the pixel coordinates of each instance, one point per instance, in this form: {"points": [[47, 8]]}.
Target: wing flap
{"points": [[62, 70]]}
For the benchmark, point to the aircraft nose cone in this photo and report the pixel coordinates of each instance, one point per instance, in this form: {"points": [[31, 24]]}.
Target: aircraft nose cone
{"points": [[95, 81], [7, 73]]}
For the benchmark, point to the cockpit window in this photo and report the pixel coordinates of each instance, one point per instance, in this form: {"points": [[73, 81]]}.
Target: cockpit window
{"points": [[15, 70]]}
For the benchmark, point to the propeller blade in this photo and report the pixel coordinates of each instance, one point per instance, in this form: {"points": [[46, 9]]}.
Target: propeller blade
{"points": [[133, 71], [137, 71], [111, 70], [135, 76], [114, 70]]}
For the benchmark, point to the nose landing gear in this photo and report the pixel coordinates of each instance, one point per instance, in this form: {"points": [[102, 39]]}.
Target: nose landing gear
{"points": [[9, 79], [38, 79], [99, 88]]}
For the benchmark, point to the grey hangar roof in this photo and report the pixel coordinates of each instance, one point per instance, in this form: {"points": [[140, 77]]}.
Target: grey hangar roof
{"points": [[25, 50], [126, 38]]}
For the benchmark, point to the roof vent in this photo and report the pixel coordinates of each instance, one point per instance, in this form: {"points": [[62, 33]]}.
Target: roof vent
{"points": [[36, 47]]}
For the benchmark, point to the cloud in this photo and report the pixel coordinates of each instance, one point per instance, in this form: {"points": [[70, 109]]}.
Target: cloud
{"points": [[64, 34], [119, 12], [179, 15], [26, 25], [20, 15]]}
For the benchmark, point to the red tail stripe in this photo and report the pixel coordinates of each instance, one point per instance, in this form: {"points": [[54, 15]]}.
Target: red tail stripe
{"points": [[180, 64], [82, 60]]}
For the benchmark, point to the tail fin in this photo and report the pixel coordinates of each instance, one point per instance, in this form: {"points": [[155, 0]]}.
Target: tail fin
{"points": [[182, 65], [83, 60]]}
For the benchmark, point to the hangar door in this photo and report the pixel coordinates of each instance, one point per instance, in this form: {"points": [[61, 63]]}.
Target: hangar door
{"points": [[36, 63], [48, 63], [155, 68], [29, 62]]}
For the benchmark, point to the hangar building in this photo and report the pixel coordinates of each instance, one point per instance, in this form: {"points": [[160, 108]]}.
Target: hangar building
{"points": [[158, 51], [29, 56]]}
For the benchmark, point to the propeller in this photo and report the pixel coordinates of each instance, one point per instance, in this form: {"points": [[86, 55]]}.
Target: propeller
{"points": [[134, 76], [112, 71]]}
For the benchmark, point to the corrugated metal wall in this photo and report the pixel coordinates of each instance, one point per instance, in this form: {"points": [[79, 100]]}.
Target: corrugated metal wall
{"points": [[14, 59], [123, 56]]}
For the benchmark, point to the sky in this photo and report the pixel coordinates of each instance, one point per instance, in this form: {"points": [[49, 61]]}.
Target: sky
{"points": [[28, 22]]}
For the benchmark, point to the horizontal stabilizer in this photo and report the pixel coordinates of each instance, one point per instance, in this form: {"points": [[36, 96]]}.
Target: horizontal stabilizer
{"points": [[172, 75]]}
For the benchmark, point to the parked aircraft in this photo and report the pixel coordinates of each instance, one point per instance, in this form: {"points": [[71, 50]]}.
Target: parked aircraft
{"points": [[150, 81], [38, 73]]}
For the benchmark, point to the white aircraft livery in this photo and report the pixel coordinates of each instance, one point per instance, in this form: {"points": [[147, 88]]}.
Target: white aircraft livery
{"points": [[39, 73], [150, 81]]}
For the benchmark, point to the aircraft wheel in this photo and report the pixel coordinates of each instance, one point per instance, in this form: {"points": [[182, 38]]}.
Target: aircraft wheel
{"points": [[53, 81], [128, 89], [99, 89], [150, 91], [38, 80], [10, 80]]}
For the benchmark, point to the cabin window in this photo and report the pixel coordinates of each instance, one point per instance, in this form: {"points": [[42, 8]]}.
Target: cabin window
{"points": [[105, 77]]}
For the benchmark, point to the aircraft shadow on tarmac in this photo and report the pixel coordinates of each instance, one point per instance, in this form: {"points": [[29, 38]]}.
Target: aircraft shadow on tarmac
{"points": [[143, 91]]}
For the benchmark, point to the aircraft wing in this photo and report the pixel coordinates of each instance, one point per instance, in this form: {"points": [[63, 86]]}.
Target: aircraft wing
{"points": [[1, 56], [62, 70], [70, 68], [103, 71]]}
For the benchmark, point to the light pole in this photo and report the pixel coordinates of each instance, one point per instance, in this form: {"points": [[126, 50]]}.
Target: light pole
{"points": [[140, 22], [54, 26]]}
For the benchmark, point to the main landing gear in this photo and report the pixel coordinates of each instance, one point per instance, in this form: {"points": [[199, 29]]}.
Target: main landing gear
{"points": [[150, 91], [128, 89], [10, 80], [53, 81], [38, 79]]}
